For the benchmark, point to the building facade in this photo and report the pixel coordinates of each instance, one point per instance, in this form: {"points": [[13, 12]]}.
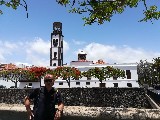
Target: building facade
{"points": [[56, 59]]}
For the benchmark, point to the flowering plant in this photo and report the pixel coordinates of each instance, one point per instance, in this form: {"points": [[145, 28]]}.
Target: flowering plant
{"points": [[67, 72], [36, 73], [104, 72]]}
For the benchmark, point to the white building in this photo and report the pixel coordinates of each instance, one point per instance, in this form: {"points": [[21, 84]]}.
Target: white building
{"points": [[84, 65], [56, 59], [130, 80]]}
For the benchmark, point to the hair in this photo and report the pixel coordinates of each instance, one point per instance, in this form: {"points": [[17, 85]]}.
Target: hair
{"points": [[49, 76]]}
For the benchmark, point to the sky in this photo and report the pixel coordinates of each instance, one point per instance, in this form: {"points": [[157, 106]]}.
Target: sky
{"points": [[123, 40]]}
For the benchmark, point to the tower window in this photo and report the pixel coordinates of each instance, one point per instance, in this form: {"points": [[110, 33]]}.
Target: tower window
{"points": [[81, 56], [54, 64], [55, 55], [61, 43], [55, 42], [61, 56]]}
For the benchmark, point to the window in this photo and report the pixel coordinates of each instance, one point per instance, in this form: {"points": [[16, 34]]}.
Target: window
{"points": [[55, 42], [54, 64], [55, 55], [30, 84], [60, 83], [128, 73], [77, 83], [87, 83], [115, 84], [61, 43], [129, 84], [62, 56]]}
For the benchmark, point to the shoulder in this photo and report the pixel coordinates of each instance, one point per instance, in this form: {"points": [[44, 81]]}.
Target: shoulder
{"points": [[36, 90], [34, 93], [56, 90]]}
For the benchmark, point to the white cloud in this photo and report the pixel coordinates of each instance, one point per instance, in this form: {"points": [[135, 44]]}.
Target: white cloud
{"points": [[9, 45], [22, 63], [35, 52], [38, 52], [6, 48], [76, 42], [65, 47], [123, 54], [39, 46]]}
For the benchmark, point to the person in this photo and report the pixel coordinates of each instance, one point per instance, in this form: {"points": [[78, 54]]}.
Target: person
{"points": [[45, 99]]}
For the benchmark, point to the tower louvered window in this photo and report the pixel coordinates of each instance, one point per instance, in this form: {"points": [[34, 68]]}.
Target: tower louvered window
{"points": [[55, 42]]}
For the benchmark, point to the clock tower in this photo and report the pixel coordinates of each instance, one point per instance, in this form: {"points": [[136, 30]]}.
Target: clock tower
{"points": [[56, 50]]}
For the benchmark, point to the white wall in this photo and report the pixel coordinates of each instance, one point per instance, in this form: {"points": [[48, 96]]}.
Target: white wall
{"points": [[7, 84], [34, 84], [95, 83]]}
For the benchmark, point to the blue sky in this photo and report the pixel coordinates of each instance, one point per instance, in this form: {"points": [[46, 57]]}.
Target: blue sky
{"points": [[124, 39]]}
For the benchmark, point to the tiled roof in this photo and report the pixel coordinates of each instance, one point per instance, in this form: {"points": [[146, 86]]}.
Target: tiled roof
{"points": [[7, 66]]}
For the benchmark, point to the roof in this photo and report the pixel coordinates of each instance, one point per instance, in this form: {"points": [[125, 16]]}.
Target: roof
{"points": [[82, 52], [9, 66]]}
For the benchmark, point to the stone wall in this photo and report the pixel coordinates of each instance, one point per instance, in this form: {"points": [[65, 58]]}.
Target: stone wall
{"points": [[154, 95], [90, 97]]}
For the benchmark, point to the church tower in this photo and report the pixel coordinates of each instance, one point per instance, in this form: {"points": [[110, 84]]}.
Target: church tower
{"points": [[56, 50]]}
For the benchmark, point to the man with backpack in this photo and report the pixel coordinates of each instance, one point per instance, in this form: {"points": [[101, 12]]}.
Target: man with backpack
{"points": [[45, 99]]}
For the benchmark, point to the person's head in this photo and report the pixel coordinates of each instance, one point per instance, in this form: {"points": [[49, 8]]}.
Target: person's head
{"points": [[49, 80]]}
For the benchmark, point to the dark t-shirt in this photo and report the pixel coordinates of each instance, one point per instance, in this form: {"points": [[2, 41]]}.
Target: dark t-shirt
{"points": [[44, 103]]}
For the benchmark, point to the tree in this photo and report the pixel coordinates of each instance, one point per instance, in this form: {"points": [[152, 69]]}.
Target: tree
{"points": [[20, 74], [102, 10], [66, 73], [14, 75], [149, 73], [99, 10], [103, 73], [144, 71], [14, 4]]}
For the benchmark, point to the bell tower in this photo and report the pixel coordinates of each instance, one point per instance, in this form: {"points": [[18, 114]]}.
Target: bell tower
{"points": [[56, 50], [82, 56]]}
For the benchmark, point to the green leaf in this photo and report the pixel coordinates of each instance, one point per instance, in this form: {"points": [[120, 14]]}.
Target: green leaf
{"points": [[1, 12], [2, 2], [8, 4], [14, 7]]}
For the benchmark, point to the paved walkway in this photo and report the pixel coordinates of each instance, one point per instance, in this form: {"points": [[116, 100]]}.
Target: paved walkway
{"points": [[93, 111]]}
